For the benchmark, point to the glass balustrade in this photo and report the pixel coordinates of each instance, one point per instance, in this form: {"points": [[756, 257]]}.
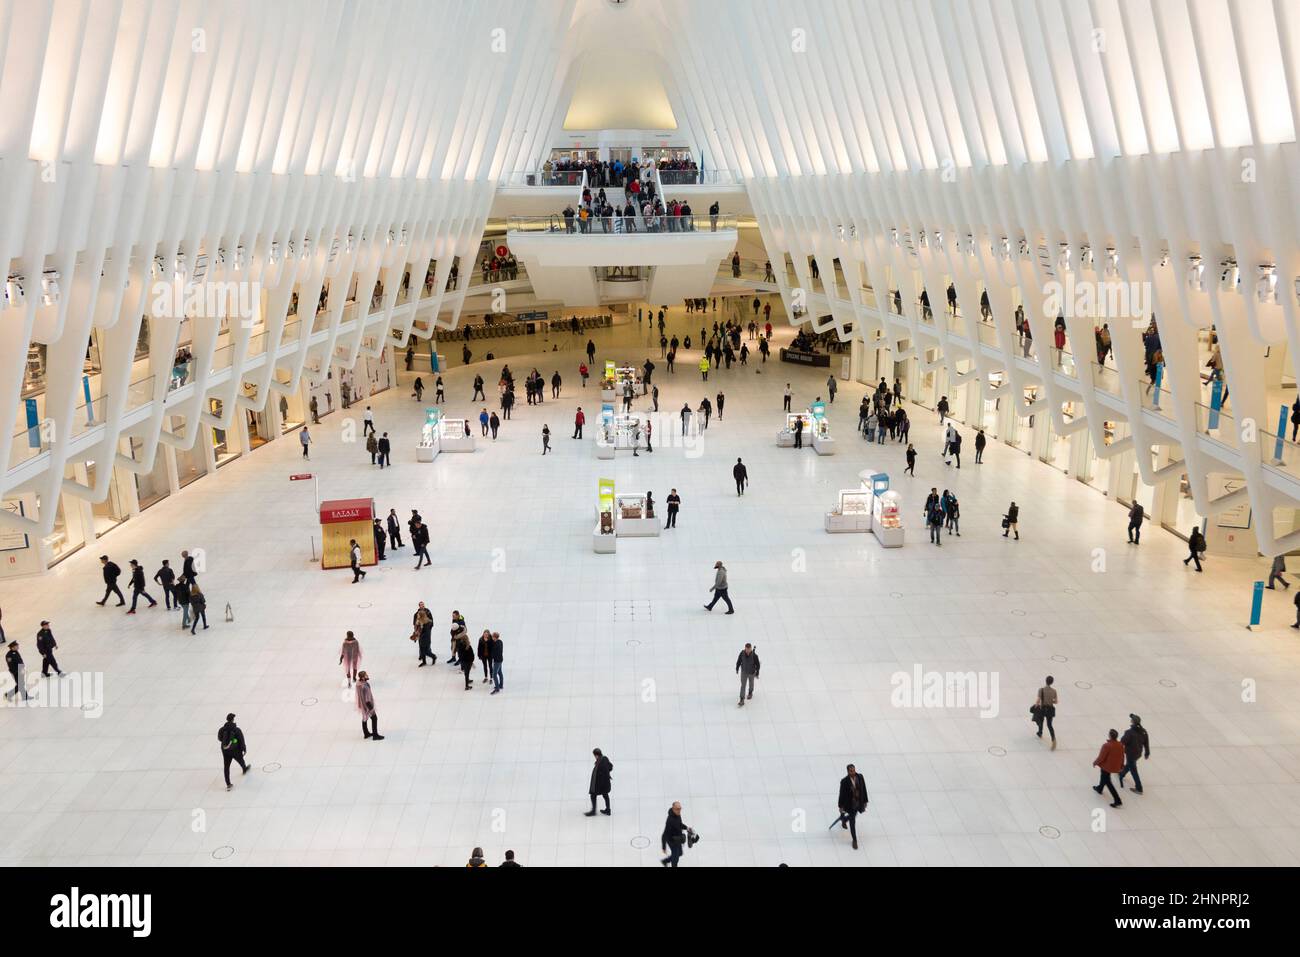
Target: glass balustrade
{"points": [[620, 225]]}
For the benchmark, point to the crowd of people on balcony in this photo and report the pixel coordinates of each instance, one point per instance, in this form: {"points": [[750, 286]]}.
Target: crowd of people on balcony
{"points": [[677, 216], [607, 173], [499, 268]]}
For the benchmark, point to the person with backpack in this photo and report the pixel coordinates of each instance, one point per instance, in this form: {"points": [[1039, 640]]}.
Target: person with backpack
{"points": [[954, 446], [112, 571], [181, 592], [952, 513], [934, 521], [1195, 548], [1135, 516], [1137, 745], [980, 442], [233, 747]]}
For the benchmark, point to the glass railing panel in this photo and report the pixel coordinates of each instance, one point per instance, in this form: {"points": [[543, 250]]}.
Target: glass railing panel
{"points": [[619, 225], [1105, 379], [139, 393]]}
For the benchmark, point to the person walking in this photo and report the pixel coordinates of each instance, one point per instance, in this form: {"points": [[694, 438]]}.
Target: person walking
{"points": [[600, 784], [721, 399], [911, 461], [831, 387], [1044, 709], [741, 475], [1195, 548], [494, 423], [483, 422], [649, 430], [719, 587], [1109, 760], [579, 420], [852, 801], [980, 442], [394, 530], [1135, 516], [137, 587], [479, 395], [952, 513], [942, 408], [675, 502], [368, 422], [45, 645], [422, 632], [420, 542], [747, 665], [17, 671], [546, 438], [704, 368], [182, 592], [372, 446], [354, 556], [673, 839], [1137, 745], [350, 657], [591, 352], [111, 574], [1011, 522], [233, 748], [954, 446], [377, 533], [305, 439], [166, 577], [439, 393], [1279, 566], [366, 706], [556, 382], [198, 607], [385, 451], [798, 432], [934, 521], [314, 405]]}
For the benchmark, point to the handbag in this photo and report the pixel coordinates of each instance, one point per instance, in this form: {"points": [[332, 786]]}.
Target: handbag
{"points": [[1006, 523]]}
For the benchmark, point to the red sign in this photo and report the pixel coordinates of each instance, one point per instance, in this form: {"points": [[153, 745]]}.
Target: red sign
{"points": [[501, 251], [347, 510], [300, 477]]}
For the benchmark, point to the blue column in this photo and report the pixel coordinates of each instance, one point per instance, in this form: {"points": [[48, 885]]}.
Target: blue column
{"points": [[1160, 375], [1216, 402], [85, 390], [33, 425], [1256, 603], [1281, 433]]}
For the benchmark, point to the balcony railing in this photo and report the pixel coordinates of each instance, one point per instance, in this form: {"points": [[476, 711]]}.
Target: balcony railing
{"points": [[619, 225], [698, 177]]}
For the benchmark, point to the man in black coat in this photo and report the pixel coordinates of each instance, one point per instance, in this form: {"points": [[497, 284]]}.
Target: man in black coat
{"points": [[187, 568], [45, 645], [111, 573], [741, 475], [385, 451], [394, 530], [137, 587], [233, 747], [600, 783], [852, 802], [18, 671], [380, 540], [420, 542]]}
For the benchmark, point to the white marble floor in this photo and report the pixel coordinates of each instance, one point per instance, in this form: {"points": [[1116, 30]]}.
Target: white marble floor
{"points": [[833, 617]]}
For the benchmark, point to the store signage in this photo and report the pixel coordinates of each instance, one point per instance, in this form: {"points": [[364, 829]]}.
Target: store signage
{"points": [[346, 510], [302, 476], [501, 250]]}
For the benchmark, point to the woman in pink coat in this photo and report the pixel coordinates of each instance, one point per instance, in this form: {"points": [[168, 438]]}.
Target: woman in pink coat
{"points": [[366, 705], [350, 657]]}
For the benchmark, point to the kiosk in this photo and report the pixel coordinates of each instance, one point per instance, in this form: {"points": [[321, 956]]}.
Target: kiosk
{"points": [[618, 433], [606, 445], [430, 436], [822, 442], [608, 381], [785, 438], [886, 519], [633, 518], [604, 540], [852, 513], [342, 520], [454, 435]]}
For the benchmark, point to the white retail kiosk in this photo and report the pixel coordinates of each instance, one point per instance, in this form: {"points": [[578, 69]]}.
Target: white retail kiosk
{"points": [[454, 435]]}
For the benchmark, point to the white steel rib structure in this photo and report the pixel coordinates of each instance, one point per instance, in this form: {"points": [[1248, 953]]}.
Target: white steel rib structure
{"points": [[1110, 161]]}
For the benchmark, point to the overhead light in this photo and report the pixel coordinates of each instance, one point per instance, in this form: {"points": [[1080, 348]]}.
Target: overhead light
{"points": [[1004, 249], [178, 266], [1085, 256], [403, 237], [351, 242], [853, 231], [970, 245], [893, 236], [14, 295], [1112, 261], [1195, 274], [392, 237], [922, 240], [840, 231], [938, 239], [334, 250], [1064, 252], [240, 257], [1024, 247], [1229, 275], [306, 248], [292, 249], [1266, 283], [221, 255], [274, 255], [159, 267]]}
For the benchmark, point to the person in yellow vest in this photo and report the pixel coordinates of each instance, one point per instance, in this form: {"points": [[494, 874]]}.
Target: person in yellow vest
{"points": [[704, 368]]}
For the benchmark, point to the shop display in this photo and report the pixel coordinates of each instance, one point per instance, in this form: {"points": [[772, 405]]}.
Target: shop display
{"points": [[603, 539], [822, 442], [785, 438], [886, 519], [619, 432], [852, 511], [635, 516], [341, 521], [430, 436], [455, 435]]}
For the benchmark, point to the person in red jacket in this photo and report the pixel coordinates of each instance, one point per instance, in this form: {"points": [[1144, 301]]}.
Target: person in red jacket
{"points": [[1110, 760], [578, 421]]}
